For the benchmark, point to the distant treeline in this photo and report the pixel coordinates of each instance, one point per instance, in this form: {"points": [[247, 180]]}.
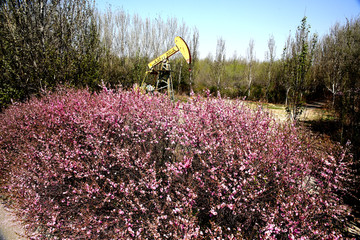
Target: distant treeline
{"points": [[44, 44]]}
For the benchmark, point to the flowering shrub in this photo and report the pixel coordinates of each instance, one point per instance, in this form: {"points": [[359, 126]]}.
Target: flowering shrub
{"points": [[123, 165]]}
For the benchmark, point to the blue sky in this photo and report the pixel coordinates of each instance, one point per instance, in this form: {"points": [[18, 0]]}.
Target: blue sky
{"points": [[238, 21]]}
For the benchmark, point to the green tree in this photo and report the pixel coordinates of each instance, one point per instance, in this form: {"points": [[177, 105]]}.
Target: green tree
{"points": [[45, 43], [297, 59]]}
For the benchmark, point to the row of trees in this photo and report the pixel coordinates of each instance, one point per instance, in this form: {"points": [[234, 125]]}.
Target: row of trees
{"points": [[310, 68]]}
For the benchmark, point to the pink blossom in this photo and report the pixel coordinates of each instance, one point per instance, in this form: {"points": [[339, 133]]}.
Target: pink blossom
{"points": [[120, 165]]}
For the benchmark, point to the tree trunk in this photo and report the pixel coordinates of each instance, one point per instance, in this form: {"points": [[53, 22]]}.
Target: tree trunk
{"points": [[181, 64], [287, 96]]}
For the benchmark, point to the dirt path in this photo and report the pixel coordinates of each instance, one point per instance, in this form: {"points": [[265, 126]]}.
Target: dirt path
{"points": [[312, 111], [10, 229]]}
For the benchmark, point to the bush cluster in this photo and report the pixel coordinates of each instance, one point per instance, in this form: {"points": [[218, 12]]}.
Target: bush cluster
{"points": [[124, 165]]}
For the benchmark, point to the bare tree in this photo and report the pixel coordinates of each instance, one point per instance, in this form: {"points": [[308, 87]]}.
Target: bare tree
{"points": [[251, 59], [183, 31], [122, 22], [332, 60], [270, 57], [286, 58], [133, 43], [147, 38], [194, 45], [107, 24], [219, 62]]}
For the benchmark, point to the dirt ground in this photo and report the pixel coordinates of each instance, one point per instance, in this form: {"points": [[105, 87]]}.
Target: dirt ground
{"points": [[311, 112], [10, 229]]}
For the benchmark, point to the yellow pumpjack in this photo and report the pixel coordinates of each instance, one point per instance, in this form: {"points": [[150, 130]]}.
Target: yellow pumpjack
{"points": [[163, 71]]}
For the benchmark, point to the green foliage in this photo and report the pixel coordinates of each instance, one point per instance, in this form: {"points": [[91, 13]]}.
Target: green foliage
{"points": [[297, 58], [44, 44]]}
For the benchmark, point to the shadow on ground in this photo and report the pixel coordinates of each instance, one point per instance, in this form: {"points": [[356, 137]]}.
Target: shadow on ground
{"points": [[339, 133]]}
